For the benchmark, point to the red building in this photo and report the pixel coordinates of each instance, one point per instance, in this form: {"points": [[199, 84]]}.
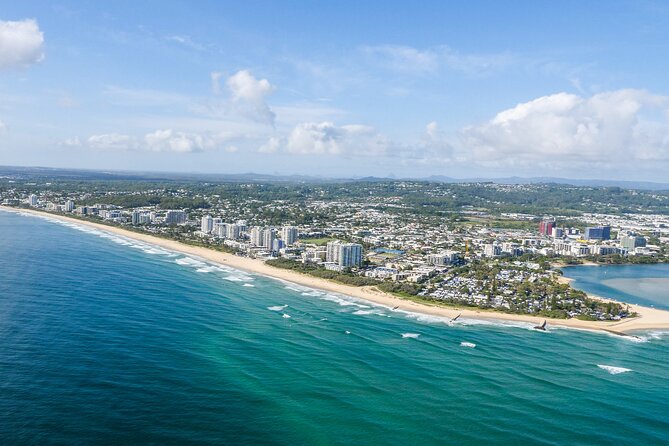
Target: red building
{"points": [[546, 227]]}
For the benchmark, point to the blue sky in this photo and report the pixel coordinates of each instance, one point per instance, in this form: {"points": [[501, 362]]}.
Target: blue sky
{"points": [[572, 89]]}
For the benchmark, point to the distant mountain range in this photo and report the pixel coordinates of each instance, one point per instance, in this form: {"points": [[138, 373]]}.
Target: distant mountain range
{"points": [[85, 174]]}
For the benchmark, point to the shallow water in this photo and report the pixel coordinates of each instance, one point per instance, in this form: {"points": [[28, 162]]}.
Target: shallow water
{"points": [[636, 284]]}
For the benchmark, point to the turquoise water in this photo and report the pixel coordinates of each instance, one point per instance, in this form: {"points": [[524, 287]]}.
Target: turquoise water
{"points": [[637, 284], [107, 341]]}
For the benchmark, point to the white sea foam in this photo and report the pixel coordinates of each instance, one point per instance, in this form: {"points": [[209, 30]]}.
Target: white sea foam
{"points": [[467, 344], [344, 301], [313, 293], [207, 269], [347, 332], [410, 335], [249, 284], [277, 307], [613, 370], [286, 316], [189, 261], [427, 318], [372, 311]]}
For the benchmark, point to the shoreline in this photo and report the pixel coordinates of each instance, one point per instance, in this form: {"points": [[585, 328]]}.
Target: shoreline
{"points": [[649, 318]]}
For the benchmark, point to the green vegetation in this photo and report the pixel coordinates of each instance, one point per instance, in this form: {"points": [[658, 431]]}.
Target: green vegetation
{"points": [[345, 278], [321, 241]]}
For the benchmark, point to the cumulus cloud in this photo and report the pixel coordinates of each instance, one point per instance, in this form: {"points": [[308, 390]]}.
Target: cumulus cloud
{"points": [[312, 138], [171, 141], [272, 145], [162, 140], [249, 93], [434, 145], [612, 127], [21, 44]]}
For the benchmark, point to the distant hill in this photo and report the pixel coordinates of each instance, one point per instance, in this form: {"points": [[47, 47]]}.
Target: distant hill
{"points": [[102, 175], [644, 185]]}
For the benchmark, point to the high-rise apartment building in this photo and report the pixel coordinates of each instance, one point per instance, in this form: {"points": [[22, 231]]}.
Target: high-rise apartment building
{"points": [[175, 217], [289, 235], [207, 224], [344, 254]]}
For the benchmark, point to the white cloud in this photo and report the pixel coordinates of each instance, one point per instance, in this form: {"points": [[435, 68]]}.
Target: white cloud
{"points": [[185, 41], [232, 149], [3, 128], [21, 44], [430, 60], [271, 146], [171, 141], [312, 138], [72, 142], [162, 140], [111, 141], [616, 127], [249, 94]]}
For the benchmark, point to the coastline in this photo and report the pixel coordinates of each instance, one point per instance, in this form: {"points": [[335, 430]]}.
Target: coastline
{"points": [[649, 318]]}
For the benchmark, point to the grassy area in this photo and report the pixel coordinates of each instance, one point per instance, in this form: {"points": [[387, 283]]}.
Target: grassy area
{"points": [[317, 241]]}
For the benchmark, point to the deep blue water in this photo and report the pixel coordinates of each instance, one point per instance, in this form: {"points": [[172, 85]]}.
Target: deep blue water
{"points": [[636, 284], [107, 341]]}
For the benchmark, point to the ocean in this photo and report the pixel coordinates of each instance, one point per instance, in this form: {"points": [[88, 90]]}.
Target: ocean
{"points": [[105, 340]]}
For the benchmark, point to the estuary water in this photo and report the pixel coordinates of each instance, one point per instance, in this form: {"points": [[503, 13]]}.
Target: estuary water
{"points": [[104, 340], [636, 284]]}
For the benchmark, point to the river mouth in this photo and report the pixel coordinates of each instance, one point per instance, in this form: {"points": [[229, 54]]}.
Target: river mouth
{"points": [[646, 285]]}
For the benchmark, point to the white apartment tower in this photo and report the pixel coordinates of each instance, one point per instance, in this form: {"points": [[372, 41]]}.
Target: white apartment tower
{"points": [[207, 224], [289, 235], [344, 254]]}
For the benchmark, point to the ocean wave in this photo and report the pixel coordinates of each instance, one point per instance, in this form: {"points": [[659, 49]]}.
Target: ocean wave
{"points": [[343, 301], [189, 261], [277, 307], [207, 269], [467, 344], [613, 370], [285, 316], [367, 312], [410, 335], [248, 284]]}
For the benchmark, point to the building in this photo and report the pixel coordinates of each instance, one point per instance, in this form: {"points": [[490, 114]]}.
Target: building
{"points": [[233, 231], [443, 258], [174, 217], [546, 227], [32, 200], [289, 235], [558, 233], [69, 206], [492, 250], [597, 233], [268, 237], [135, 218], [630, 242], [207, 225], [256, 236], [344, 254]]}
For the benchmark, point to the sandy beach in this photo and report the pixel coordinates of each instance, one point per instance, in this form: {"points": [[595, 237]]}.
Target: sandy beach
{"points": [[649, 318]]}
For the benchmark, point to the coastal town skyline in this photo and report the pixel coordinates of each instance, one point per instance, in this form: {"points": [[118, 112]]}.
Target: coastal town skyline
{"points": [[347, 90]]}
